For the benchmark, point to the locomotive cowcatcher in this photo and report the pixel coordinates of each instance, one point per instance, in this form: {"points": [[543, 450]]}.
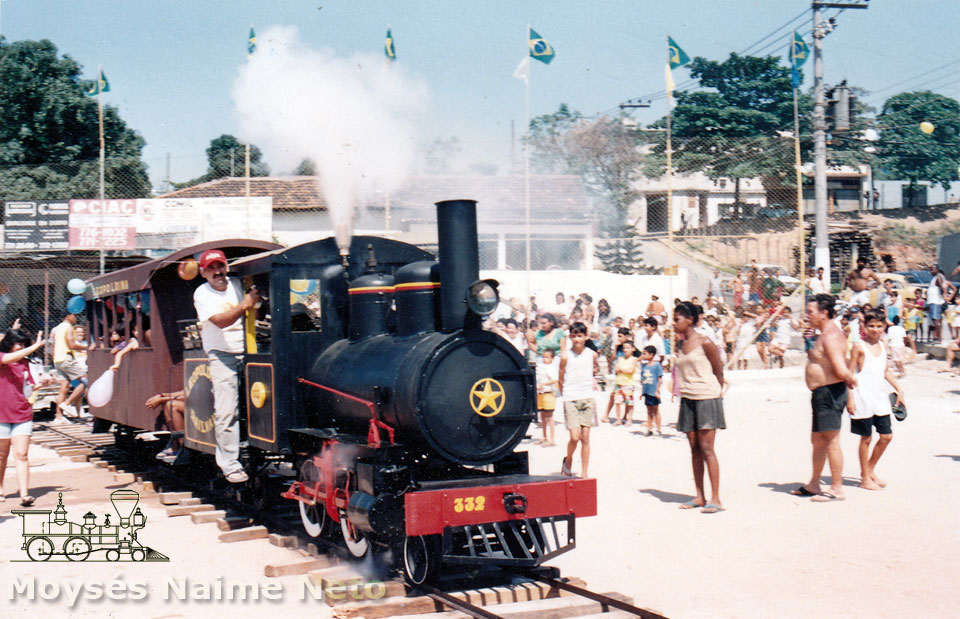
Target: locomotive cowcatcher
{"points": [[367, 369]]}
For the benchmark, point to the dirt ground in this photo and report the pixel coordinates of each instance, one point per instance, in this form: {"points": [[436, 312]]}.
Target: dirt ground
{"points": [[889, 554], [877, 554]]}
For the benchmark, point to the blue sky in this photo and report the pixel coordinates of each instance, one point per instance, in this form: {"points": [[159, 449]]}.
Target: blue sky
{"points": [[172, 64]]}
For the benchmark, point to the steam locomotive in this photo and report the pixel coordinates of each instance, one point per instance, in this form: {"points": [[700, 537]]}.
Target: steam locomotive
{"points": [[367, 374], [47, 533]]}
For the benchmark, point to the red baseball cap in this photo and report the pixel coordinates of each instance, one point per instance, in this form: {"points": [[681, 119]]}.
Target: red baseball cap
{"points": [[210, 256]]}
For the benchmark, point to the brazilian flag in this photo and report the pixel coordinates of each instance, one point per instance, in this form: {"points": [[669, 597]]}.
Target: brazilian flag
{"points": [[388, 49], [799, 52], [251, 42], [101, 85], [676, 56], [539, 48]]}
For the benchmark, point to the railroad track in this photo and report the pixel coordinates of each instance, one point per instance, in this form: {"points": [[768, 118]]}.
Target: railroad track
{"points": [[352, 594]]}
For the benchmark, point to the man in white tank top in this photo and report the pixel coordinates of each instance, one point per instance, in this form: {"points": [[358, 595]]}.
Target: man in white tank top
{"points": [[870, 405], [577, 369]]}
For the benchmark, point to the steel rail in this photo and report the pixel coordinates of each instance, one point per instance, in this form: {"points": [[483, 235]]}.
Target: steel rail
{"points": [[596, 597], [457, 604]]}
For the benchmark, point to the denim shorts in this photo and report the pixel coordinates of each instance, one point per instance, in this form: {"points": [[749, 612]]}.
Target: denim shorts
{"points": [[936, 310], [24, 428]]}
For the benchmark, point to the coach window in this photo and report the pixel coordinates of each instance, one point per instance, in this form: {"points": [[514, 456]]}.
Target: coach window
{"points": [[304, 305]]}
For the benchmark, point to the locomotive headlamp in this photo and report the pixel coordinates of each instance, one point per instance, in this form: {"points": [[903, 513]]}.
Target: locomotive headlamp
{"points": [[482, 297]]}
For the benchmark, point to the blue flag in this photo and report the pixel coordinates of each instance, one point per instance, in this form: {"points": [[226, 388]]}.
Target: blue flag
{"points": [[799, 52], [388, 48], [539, 48], [251, 42]]}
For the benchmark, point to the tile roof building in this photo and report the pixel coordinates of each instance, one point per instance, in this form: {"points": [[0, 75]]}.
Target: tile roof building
{"points": [[561, 218]]}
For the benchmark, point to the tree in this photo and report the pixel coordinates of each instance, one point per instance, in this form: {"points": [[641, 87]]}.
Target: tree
{"points": [[49, 139], [906, 152], [439, 154], [732, 129], [226, 156], [607, 156]]}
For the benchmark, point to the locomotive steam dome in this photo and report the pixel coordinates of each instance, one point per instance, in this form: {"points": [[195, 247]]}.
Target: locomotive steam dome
{"points": [[466, 396]]}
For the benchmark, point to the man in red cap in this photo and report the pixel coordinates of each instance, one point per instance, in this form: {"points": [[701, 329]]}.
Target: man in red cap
{"points": [[220, 305]]}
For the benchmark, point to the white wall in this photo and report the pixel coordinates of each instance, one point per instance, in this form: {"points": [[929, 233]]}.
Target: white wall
{"points": [[628, 295]]}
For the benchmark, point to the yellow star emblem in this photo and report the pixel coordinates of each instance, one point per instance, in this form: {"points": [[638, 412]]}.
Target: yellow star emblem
{"points": [[487, 393]]}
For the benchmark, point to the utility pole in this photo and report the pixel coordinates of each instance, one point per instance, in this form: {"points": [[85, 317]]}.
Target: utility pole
{"points": [[820, 30]]}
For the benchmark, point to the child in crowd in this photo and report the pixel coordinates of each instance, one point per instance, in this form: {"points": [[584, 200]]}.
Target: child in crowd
{"points": [[870, 405], [578, 366], [913, 317], [548, 378], [625, 368], [651, 375], [783, 335], [896, 335]]}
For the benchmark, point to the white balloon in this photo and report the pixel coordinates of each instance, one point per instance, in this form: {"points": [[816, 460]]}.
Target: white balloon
{"points": [[101, 390]]}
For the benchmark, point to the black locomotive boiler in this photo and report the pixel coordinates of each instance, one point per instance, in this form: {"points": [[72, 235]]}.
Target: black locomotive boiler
{"points": [[367, 369]]}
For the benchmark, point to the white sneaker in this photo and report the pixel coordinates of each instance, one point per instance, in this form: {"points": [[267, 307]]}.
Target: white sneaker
{"points": [[237, 477], [68, 410]]}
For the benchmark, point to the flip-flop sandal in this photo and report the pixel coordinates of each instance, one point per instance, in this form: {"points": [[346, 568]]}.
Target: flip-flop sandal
{"points": [[802, 491], [564, 469], [27, 501], [826, 497], [710, 508], [691, 504]]}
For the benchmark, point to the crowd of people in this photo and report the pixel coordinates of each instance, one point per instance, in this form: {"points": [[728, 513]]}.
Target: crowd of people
{"points": [[594, 366]]}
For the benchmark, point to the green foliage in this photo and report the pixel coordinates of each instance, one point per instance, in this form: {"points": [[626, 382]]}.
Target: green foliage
{"points": [[731, 130], [226, 156], [49, 138], [606, 154], [908, 153]]}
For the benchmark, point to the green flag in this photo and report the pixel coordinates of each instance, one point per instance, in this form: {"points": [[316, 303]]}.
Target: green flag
{"points": [[799, 52], [539, 48], [100, 85], [251, 42], [676, 56], [388, 49]]}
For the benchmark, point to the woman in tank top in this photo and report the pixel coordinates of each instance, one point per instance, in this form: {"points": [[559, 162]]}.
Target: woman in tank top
{"points": [[549, 336], [700, 382]]}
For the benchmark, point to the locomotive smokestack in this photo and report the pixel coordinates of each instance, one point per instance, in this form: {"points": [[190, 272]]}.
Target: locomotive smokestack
{"points": [[459, 259]]}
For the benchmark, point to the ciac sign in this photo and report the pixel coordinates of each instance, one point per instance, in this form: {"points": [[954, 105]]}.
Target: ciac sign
{"points": [[103, 224]]}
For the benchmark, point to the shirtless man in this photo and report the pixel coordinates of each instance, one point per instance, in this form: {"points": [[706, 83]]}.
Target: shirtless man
{"points": [[656, 309], [828, 378], [858, 280]]}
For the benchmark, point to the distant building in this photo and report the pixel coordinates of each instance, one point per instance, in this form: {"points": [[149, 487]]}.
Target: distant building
{"points": [[561, 230], [697, 201]]}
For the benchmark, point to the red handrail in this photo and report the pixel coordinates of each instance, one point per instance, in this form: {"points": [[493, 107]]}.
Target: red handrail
{"points": [[373, 434]]}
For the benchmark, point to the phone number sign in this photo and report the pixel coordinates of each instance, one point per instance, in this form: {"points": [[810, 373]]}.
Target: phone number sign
{"points": [[103, 224]]}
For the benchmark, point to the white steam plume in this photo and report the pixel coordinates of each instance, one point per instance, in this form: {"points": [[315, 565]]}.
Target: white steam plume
{"points": [[351, 116]]}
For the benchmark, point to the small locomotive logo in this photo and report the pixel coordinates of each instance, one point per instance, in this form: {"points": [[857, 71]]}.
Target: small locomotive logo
{"points": [[485, 394], [48, 534]]}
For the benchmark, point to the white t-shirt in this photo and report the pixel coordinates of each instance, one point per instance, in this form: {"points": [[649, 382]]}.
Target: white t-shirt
{"points": [[546, 373], [209, 302], [578, 375], [815, 284], [896, 334], [656, 341]]}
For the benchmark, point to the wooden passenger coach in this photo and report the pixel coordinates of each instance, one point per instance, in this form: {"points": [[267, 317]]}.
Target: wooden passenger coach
{"points": [[148, 299]]}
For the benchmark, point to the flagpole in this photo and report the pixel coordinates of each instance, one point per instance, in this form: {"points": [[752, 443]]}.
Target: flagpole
{"points": [[673, 338], [526, 168], [246, 173], [798, 163], [102, 160]]}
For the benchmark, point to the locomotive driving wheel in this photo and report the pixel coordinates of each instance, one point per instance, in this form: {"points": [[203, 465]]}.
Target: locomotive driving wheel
{"points": [[353, 537], [77, 548], [313, 517], [421, 559], [39, 548]]}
